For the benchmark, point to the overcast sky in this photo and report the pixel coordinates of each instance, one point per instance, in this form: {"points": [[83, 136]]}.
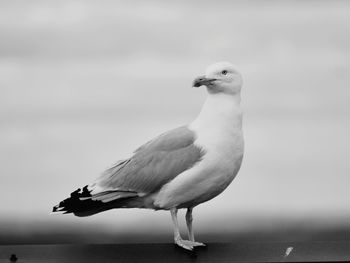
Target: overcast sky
{"points": [[84, 83]]}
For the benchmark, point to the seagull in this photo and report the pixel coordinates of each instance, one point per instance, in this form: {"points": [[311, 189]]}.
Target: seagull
{"points": [[179, 169]]}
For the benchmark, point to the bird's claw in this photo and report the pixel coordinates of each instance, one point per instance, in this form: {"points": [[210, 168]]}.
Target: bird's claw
{"points": [[187, 244]]}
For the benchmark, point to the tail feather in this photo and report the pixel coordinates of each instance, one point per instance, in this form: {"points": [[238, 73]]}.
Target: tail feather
{"points": [[82, 203]]}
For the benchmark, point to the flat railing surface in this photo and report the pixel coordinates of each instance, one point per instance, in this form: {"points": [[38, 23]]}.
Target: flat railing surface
{"points": [[214, 252]]}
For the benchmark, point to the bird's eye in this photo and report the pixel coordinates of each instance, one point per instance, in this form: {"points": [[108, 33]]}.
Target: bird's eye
{"points": [[224, 72]]}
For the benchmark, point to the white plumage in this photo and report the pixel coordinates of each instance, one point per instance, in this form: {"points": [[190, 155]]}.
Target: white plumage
{"points": [[219, 133], [180, 168]]}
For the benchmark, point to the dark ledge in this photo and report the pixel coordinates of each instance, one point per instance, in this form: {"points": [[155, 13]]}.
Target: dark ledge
{"points": [[214, 252]]}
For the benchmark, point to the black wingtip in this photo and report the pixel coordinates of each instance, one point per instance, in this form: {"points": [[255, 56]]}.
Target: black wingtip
{"points": [[81, 205], [74, 204]]}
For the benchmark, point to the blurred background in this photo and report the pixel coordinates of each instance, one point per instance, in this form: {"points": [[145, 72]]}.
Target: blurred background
{"points": [[84, 83]]}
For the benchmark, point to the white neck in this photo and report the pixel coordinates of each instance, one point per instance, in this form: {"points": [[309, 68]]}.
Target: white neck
{"points": [[219, 110]]}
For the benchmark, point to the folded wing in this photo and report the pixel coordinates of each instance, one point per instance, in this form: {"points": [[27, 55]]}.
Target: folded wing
{"points": [[152, 165]]}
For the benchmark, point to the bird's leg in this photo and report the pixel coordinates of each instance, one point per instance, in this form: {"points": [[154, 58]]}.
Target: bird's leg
{"points": [[186, 244], [177, 235], [189, 219]]}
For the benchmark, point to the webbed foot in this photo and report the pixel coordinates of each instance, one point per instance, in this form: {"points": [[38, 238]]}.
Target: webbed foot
{"points": [[187, 244]]}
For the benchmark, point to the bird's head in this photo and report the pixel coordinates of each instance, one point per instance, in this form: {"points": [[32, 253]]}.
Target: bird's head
{"points": [[221, 77]]}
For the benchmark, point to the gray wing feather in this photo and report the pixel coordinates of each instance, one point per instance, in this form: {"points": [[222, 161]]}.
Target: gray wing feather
{"points": [[154, 164]]}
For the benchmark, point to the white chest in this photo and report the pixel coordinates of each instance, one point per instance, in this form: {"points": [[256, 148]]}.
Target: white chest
{"points": [[218, 129], [223, 146]]}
